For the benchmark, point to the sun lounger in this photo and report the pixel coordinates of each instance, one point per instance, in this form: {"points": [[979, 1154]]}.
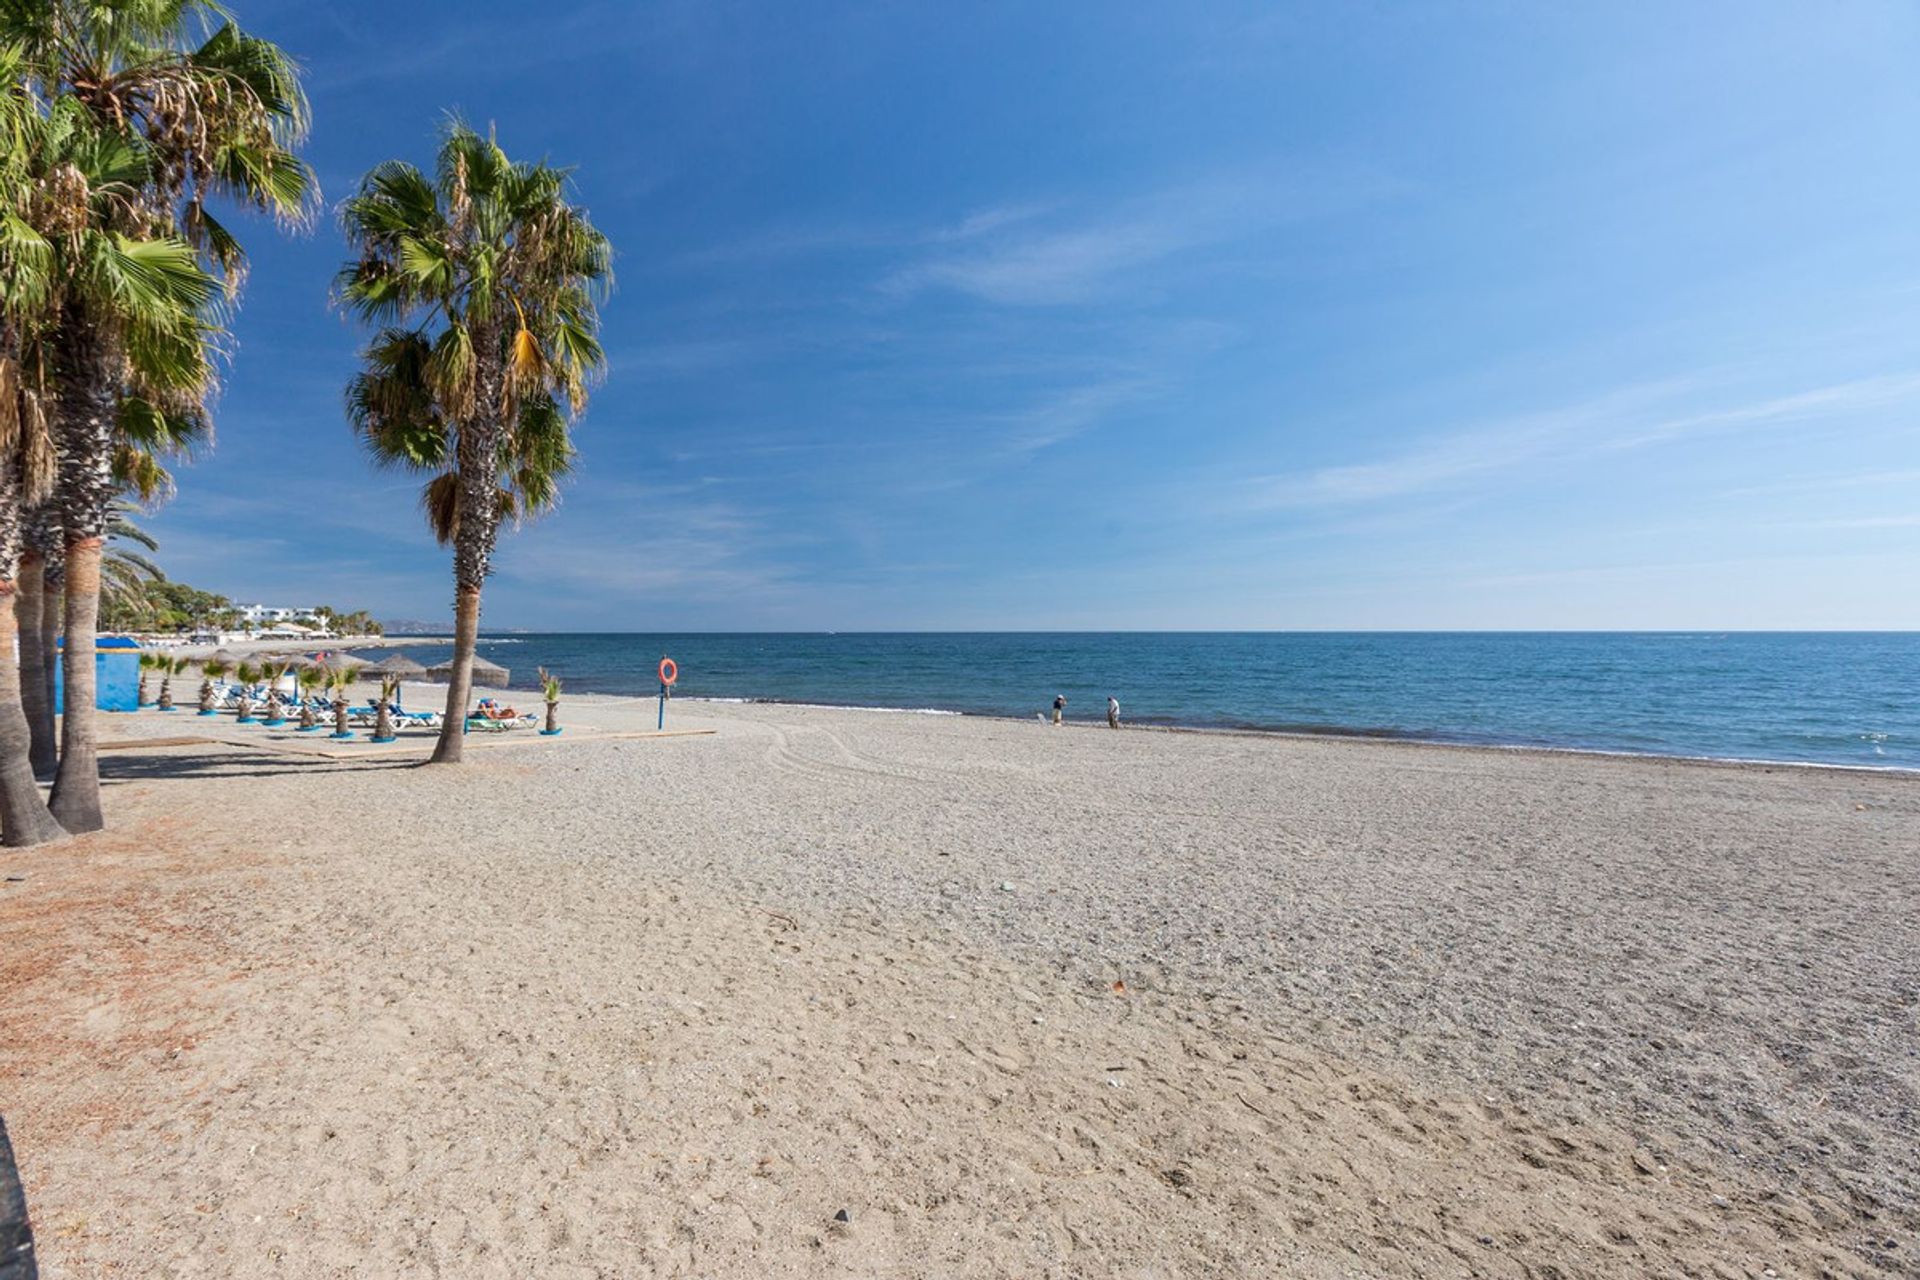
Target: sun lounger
{"points": [[492, 718], [489, 724]]}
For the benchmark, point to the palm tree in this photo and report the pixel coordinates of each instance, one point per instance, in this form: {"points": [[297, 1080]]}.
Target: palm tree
{"points": [[312, 679], [127, 304], [178, 121], [246, 675], [550, 690], [484, 279], [272, 670], [211, 669], [383, 717], [339, 680], [26, 466], [148, 662], [169, 666]]}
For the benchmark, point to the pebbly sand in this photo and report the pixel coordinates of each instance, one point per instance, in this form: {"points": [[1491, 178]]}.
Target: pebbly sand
{"points": [[1021, 1002]]}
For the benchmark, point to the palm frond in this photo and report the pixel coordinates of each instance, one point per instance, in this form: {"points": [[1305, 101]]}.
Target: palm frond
{"points": [[497, 272], [440, 499]]}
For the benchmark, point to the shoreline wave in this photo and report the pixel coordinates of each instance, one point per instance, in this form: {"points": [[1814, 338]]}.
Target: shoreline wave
{"points": [[1412, 737]]}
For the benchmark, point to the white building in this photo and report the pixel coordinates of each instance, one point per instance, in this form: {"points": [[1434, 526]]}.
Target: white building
{"points": [[256, 614]]}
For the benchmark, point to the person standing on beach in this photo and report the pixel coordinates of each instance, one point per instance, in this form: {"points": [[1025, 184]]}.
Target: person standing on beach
{"points": [[1059, 708], [1113, 712]]}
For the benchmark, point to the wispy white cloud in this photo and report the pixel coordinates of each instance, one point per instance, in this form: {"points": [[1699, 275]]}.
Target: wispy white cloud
{"points": [[694, 548], [681, 359], [1043, 252], [1056, 267], [1068, 413], [1827, 483], [841, 238], [1452, 459], [385, 505], [996, 218], [1908, 521], [1857, 396], [1047, 257], [1633, 418]]}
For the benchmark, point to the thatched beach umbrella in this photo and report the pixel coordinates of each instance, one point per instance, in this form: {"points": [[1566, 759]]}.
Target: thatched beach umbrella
{"points": [[397, 664], [490, 674], [227, 656]]}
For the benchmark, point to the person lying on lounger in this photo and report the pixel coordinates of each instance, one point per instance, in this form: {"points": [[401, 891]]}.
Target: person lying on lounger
{"points": [[491, 710]]}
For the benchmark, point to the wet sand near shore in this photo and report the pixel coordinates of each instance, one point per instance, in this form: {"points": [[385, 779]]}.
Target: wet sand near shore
{"points": [[1019, 1001]]}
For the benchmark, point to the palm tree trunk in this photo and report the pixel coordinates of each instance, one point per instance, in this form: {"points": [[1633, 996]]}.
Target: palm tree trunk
{"points": [[24, 818], [477, 452], [466, 632], [53, 615], [90, 371], [31, 673], [76, 786]]}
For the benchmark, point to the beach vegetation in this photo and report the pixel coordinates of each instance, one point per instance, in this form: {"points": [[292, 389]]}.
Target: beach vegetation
{"points": [[28, 143], [340, 680], [211, 669], [383, 714], [170, 665], [149, 662], [246, 675], [125, 123], [273, 670], [311, 678], [550, 690], [482, 280]]}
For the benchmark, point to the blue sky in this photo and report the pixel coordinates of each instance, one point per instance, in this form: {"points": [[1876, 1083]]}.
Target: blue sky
{"points": [[1145, 316]]}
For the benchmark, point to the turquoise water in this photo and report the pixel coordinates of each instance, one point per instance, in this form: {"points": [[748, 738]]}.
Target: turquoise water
{"points": [[1840, 698]]}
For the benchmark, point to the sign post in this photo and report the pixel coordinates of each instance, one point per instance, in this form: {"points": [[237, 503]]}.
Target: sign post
{"points": [[669, 673]]}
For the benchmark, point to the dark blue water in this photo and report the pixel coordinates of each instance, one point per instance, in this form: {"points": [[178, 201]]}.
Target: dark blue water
{"points": [[1839, 698]]}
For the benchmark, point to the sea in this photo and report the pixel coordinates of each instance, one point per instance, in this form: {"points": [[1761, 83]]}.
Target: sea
{"points": [[1844, 698]]}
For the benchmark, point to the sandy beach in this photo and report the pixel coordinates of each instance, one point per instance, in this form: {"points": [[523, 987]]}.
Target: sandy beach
{"points": [[840, 993]]}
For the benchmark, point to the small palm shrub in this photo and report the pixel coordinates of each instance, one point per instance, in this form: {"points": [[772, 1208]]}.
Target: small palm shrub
{"points": [[311, 681], [383, 716], [168, 667], [210, 670], [340, 679], [273, 670], [550, 690], [246, 674]]}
